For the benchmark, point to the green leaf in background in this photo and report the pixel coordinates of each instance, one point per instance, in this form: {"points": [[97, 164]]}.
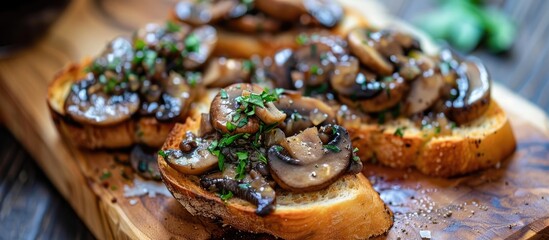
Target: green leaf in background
{"points": [[500, 31], [465, 24]]}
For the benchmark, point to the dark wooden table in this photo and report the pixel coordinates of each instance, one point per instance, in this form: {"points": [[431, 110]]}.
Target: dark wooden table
{"points": [[31, 208]]}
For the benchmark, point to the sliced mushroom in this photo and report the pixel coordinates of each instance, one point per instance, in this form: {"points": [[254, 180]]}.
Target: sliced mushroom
{"points": [[473, 87], [155, 35], [175, 101], [258, 191], [311, 172], [280, 68], [254, 23], [363, 48], [222, 72], [199, 45], [197, 12], [285, 10], [392, 92], [193, 157], [303, 112], [270, 114], [424, 92], [144, 163], [99, 108], [348, 80], [327, 12], [224, 107]]}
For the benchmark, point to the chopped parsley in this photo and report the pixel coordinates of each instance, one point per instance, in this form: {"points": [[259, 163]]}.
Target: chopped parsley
{"points": [[242, 163], [301, 39], [332, 148], [437, 129], [242, 122], [399, 132], [230, 126], [105, 175], [315, 70], [172, 27], [355, 157], [248, 65], [225, 196], [192, 44], [223, 94], [262, 158], [162, 153], [193, 78]]}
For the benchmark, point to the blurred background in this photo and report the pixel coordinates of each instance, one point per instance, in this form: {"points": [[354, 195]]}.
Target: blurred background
{"points": [[509, 36]]}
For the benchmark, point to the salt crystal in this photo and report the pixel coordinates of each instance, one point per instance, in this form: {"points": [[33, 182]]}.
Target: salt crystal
{"points": [[141, 187], [425, 234]]}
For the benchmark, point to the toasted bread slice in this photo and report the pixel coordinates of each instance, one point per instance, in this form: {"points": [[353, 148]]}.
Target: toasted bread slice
{"points": [[347, 209], [477, 145], [143, 130]]}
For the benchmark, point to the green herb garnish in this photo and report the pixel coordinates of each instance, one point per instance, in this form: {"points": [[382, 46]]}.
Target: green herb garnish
{"points": [[192, 43], [242, 163], [332, 148], [225, 196], [223, 94], [230, 126], [301, 39], [172, 27], [399, 132], [105, 175], [162, 153]]}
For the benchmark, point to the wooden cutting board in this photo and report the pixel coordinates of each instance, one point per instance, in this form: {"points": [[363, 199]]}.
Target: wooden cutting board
{"points": [[509, 201]]}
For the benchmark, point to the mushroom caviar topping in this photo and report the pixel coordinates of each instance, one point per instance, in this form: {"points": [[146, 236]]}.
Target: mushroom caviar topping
{"points": [[306, 163]]}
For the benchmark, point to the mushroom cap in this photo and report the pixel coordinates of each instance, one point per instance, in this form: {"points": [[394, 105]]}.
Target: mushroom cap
{"points": [[199, 13], [392, 92], [363, 48], [474, 91], [206, 39], [223, 108], [99, 108]]}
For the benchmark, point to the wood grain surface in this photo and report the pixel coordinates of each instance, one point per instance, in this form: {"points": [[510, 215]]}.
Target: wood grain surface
{"points": [[511, 201]]}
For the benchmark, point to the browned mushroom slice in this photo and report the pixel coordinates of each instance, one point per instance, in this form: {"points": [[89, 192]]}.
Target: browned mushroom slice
{"points": [[254, 23], [303, 112], [307, 164], [222, 72], [258, 191], [327, 12], [348, 80], [392, 92], [279, 70], [314, 65], [99, 108], [424, 92], [196, 12], [199, 45], [285, 10], [473, 86], [224, 106], [175, 101], [363, 48], [193, 157]]}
